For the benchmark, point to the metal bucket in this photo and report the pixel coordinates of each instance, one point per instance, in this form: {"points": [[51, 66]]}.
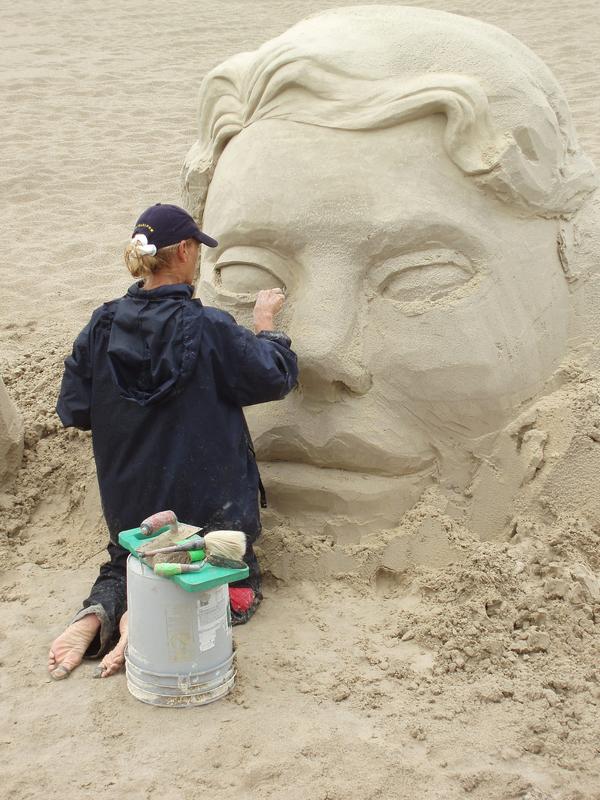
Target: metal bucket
{"points": [[180, 645]]}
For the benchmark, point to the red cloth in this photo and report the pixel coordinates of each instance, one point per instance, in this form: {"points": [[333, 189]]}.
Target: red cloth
{"points": [[241, 599]]}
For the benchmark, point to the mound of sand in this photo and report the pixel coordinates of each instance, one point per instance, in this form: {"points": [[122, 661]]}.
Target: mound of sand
{"points": [[427, 631]]}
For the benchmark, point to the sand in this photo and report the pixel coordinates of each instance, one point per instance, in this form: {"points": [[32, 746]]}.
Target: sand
{"points": [[432, 664]]}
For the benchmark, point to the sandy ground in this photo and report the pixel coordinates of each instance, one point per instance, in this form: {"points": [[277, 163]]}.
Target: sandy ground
{"points": [[473, 675]]}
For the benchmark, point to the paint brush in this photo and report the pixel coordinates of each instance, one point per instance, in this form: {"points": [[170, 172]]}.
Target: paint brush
{"points": [[166, 570], [228, 544]]}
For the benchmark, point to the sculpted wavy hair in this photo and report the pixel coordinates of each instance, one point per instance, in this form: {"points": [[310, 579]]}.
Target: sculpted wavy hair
{"points": [[367, 67]]}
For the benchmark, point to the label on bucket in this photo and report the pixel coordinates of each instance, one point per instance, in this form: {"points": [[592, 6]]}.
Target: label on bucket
{"points": [[180, 642], [211, 617], [207, 637]]}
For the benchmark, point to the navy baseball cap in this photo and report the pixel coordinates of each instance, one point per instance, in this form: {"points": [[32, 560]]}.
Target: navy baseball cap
{"points": [[164, 225]]}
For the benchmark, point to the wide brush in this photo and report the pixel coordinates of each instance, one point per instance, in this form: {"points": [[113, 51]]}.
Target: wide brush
{"points": [[228, 544]]}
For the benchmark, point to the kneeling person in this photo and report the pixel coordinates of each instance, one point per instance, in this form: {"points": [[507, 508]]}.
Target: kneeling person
{"points": [[160, 380]]}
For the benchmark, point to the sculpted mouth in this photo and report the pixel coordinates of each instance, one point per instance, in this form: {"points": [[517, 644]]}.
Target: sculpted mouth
{"points": [[343, 451]]}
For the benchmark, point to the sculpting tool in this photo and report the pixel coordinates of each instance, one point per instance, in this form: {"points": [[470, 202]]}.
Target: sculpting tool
{"points": [[167, 570], [228, 544], [157, 521]]}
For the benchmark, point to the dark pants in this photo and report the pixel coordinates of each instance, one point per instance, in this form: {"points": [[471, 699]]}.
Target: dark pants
{"points": [[108, 597]]}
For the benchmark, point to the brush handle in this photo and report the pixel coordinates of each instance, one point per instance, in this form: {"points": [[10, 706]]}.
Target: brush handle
{"points": [[195, 544], [169, 570]]}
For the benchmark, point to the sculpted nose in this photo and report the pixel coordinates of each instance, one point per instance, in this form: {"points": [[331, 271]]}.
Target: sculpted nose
{"points": [[327, 339]]}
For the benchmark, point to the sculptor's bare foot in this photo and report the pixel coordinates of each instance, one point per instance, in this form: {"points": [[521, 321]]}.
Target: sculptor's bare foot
{"points": [[68, 649], [113, 662]]}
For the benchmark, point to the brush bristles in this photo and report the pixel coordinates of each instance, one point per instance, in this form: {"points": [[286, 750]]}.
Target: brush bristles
{"points": [[229, 544]]}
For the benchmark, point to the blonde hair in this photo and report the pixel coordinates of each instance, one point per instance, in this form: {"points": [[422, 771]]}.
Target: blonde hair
{"points": [[142, 265]]}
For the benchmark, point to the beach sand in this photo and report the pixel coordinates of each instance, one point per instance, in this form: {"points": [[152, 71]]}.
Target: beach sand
{"points": [[413, 672]]}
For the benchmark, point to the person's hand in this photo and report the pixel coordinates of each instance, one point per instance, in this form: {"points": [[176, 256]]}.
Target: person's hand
{"points": [[269, 303]]}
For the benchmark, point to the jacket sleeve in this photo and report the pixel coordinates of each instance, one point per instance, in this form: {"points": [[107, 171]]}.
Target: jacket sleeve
{"points": [[74, 399], [253, 368]]}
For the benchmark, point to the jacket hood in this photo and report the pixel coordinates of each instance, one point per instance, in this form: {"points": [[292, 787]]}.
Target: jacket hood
{"points": [[149, 348]]}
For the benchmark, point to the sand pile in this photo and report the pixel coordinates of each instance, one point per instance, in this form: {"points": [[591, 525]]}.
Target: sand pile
{"points": [[56, 483], [427, 629], [465, 623]]}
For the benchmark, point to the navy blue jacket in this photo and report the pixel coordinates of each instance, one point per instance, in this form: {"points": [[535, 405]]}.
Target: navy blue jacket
{"points": [[161, 380]]}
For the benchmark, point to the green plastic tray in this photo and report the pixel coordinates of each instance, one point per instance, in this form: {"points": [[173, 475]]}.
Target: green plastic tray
{"points": [[207, 578]]}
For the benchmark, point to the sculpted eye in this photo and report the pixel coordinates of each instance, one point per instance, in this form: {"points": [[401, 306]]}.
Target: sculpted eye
{"points": [[246, 278], [241, 272], [424, 282], [427, 275]]}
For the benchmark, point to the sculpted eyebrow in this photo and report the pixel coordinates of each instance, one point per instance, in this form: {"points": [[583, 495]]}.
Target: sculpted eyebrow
{"points": [[279, 237], [421, 232]]}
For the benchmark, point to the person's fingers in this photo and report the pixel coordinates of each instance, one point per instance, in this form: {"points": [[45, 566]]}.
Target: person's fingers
{"points": [[270, 294], [274, 298]]}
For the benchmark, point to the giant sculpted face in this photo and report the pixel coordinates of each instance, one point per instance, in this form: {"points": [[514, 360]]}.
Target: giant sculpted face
{"points": [[406, 176]]}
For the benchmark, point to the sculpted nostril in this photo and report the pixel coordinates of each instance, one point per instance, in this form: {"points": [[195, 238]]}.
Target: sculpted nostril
{"points": [[330, 360], [334, 384], [360, 384]]}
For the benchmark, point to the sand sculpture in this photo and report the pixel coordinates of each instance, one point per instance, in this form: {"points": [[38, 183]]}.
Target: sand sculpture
{"points": [[11, 437], [413, 180]]}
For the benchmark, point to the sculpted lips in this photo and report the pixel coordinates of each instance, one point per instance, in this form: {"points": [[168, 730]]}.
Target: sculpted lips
{"points": [[344, 451]]}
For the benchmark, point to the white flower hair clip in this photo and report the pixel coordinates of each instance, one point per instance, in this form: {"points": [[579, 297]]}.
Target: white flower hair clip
{"points": [[145, 249]]}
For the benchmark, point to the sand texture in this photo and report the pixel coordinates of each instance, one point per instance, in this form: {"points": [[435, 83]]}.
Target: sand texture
{"points": [[427, 661]]}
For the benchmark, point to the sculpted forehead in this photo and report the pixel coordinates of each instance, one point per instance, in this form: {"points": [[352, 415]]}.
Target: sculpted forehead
{"points": [[276, 173]]}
